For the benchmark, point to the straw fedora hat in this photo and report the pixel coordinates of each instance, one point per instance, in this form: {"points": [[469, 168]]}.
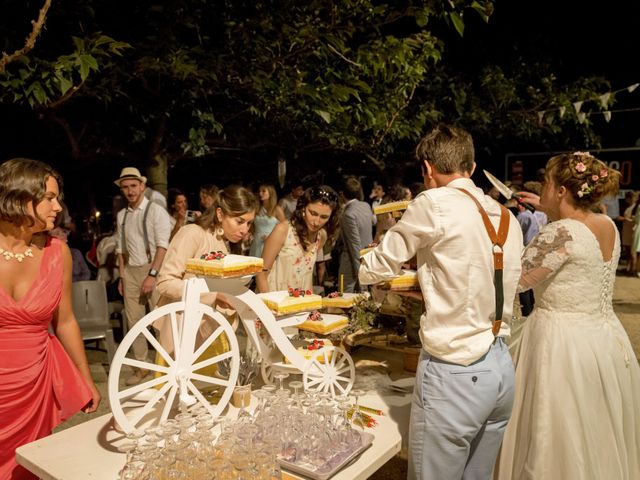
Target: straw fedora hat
{"points": [[130, 173]]}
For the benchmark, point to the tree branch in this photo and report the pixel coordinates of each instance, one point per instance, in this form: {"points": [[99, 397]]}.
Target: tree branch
{"points": [[30, 41], [64, 98], [72, 139], [395, 116], [331, 47]]}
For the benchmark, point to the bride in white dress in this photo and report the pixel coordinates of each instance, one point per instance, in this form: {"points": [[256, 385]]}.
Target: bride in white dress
{"points": [[576, 412]]}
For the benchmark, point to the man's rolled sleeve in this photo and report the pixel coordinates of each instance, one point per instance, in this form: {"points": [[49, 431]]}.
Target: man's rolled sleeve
{"points": [[418, 228], [162, 226]]}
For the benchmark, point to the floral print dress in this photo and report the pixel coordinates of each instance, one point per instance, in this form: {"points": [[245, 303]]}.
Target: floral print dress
{"points": [[293, 266]]}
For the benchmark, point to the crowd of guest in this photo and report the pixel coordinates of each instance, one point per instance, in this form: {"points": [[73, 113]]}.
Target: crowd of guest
{"points": [[313, 235]]}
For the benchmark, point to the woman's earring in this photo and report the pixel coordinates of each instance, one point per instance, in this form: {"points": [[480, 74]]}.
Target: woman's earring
{"points": [[219, 231]]}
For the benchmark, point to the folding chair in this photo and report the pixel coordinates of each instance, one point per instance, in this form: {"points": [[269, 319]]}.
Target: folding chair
{"points": [[92, 313]]}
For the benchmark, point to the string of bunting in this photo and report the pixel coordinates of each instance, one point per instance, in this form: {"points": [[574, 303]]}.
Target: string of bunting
{"points": [[602, 99]]}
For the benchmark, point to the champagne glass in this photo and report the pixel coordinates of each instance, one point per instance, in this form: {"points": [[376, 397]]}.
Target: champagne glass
{"points": [[357, 418], [127, 448], [297, 397], [280, 376]]}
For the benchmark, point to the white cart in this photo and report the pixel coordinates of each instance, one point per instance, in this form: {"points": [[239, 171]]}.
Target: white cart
{"points": [[183, 375]]}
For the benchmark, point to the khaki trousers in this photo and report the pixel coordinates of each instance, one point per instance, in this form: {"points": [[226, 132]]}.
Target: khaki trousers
{"points": [[136, 304]]}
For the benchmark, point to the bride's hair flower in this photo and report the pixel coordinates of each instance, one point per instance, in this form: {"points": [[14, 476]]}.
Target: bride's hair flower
{"points": [[604, 173], [595, 178], [582, 154], [580, 167], [585, 189]]}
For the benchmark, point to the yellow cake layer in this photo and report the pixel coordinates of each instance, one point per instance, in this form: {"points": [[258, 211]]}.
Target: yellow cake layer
{"points": [[216, 268], [308, 354], [327, 324], [347, 300], [408, 280], [391, 207], [281, 303]]}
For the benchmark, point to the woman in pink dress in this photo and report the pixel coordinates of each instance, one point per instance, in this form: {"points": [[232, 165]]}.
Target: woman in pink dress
{"points": [[44, 377]]}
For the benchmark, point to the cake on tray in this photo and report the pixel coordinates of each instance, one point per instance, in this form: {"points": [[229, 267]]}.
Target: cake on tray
{"points": [[285, 302], [221, 265], [340, 300], [391, 207], [367, 249], [323, 323], [309, 348], [407, 280]]}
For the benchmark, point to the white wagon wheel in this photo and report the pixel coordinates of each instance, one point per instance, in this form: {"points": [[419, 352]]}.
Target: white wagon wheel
{"points": [[152, 400], [266, 370], [330, 370]]}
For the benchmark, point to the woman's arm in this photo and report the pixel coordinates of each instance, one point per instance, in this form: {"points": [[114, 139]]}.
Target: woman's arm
{"points": [[279, 214], [183, 246], [272, 246], [68, 332]]}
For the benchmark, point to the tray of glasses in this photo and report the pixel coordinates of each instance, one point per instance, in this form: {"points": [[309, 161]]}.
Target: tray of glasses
{"points": [[333, 466]]}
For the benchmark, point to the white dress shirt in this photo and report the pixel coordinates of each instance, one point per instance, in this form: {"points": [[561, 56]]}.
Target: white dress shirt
{"points": [[444, 229], [158, 231]]}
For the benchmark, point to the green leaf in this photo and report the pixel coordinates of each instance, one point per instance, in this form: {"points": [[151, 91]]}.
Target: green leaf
{"points": [[458, 23], [326, 116], [87, 63]]}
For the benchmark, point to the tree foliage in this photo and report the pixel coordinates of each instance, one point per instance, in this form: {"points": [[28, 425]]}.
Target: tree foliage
{"points": [[159, 82]]}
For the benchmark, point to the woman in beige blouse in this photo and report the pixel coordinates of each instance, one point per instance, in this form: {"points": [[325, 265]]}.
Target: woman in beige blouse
{"points": [[221, 228]]}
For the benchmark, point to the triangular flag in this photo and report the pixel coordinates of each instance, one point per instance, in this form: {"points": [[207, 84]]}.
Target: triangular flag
{"points": [[578, 105], [631, 88], [607, 116], [562, 111], [540, 117], [582, 117], [604, 99]]}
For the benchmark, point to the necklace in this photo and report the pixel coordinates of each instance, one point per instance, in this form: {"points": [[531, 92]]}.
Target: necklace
{"points": [[8, 255]]}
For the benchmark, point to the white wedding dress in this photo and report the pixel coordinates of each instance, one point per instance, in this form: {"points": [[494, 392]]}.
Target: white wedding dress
{"points": [[576, 414]]}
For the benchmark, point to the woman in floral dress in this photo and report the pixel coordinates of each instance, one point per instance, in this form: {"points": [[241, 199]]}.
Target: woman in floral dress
{"points": [[290, 251]]}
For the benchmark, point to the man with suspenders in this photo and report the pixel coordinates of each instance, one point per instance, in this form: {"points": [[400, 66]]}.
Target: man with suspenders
{"points": [[468, 250], [142, 230]]}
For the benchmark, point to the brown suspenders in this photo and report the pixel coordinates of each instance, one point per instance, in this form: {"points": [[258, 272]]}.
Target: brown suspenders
{"points": [[497, 239]]}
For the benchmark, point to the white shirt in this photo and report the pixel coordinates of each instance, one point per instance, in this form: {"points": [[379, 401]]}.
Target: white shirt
{"points": [[288, 205], [443, 227], [155, 197], [158, 232]]}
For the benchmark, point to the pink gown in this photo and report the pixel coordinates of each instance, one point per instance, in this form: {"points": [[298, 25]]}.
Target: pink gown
{"points": [[40, 386]]}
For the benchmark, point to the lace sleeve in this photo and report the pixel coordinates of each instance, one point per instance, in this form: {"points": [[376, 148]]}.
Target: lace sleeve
{"points": [[544, 255]]}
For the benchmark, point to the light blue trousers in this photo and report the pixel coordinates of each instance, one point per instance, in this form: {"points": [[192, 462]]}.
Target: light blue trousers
{"points": [[458, 415]]}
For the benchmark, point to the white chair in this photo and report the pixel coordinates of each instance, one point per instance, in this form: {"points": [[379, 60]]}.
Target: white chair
{"points": [[91, 309]]}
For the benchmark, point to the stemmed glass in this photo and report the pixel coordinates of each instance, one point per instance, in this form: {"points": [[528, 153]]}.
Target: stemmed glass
{"points": [[296, 385], [127, 448], [357, 418], [297, 397], [280, 376]]}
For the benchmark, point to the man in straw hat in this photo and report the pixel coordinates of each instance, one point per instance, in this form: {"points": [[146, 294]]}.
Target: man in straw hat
{"points": [[142, 233]]}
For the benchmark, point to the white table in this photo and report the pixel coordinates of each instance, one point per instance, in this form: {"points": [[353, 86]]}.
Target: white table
{"points": [[89, 450]]}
